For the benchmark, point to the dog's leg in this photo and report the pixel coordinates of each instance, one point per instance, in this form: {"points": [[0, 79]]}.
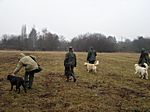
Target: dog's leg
{"points": [[87, 69], [11, 87], [95, 69], [19, 90], [142, 76], [18, 87], [146, 75], [24, 87]]}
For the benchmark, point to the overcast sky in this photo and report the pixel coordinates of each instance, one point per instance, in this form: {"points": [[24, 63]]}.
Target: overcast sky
{"points": [[120, 18]]}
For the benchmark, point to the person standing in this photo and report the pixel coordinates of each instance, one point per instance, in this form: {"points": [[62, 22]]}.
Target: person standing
{"points": [[91, 57], [30, 68], [69, 64]]}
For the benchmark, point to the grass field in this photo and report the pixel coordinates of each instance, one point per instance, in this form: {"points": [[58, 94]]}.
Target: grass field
{"points": [[114, 88]]}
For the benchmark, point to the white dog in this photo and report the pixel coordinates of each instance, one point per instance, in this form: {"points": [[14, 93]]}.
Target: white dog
{"points": [[142, 71], [91, 67]]}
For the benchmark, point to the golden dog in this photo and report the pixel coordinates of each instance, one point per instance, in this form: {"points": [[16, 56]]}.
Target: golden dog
{"points": [[143, 72], [91, 67]]}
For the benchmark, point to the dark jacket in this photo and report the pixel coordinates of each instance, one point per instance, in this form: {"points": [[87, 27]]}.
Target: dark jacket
{"points": [[70, 59], [144, 58], [91, 55]]}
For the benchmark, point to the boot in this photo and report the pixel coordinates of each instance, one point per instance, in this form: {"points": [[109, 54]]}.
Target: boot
{"points": [[74, 80], [67, 79]]}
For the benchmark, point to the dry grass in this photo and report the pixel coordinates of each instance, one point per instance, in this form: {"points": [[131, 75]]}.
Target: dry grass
{"points": [[113, 88]]}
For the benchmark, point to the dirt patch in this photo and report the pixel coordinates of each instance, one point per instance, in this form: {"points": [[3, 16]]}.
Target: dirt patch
{"points": [[48, 105], [5, 104], [83, 84], [54, 74], [48, 94], [125, 92], [1, 79], [1, 92], [141, 84], [114, 76]]}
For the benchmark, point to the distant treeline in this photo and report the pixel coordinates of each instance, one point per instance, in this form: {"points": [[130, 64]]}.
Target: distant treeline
{"points": [[52, 42]]}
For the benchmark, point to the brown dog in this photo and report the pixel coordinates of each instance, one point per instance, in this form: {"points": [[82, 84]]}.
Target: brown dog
{"points": [[18, 81]]}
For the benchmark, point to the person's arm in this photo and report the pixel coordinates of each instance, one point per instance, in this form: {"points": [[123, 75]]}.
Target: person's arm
{"points": [[140, 59], [66, 58], [147, 58], [18, 67], [95, 53], [75, 61], [88, 56]]}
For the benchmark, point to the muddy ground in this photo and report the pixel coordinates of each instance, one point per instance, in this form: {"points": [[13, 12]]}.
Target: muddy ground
{"points": [[110, 90]]}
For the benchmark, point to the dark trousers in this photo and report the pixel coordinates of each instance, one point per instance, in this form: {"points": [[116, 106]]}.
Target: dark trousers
{"points": [[28, 78], [69, 72]]}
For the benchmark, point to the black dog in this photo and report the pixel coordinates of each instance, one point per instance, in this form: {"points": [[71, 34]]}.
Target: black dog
{"points": [[18, 81]]}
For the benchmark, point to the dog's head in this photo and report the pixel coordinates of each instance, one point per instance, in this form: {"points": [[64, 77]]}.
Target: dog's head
{"points": [[136, 65], [9, 77], [85, 63]]}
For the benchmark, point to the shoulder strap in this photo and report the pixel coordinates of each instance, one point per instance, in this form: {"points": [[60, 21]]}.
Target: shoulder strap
{"points": [[33, 58]]}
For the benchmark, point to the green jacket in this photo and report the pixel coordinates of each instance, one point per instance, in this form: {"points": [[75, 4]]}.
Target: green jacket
{"points": [[91, 55], [144, 58], [70, 59]]}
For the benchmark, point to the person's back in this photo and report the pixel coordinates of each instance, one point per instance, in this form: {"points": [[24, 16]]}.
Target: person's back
{"points": [[144, 57], [70, 59], [29, 63], [91, 57]]}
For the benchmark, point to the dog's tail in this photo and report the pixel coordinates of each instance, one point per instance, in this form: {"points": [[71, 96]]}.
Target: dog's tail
{"points": [[97, 62], [146, 66]]}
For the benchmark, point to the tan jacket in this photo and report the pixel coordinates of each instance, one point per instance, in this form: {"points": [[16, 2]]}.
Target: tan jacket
{"points": [[26, 62]]}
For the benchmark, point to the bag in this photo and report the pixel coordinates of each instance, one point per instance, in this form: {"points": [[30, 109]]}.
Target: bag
{"points": [[39, 67]]}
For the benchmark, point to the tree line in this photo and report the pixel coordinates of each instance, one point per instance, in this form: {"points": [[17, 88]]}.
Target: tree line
{"points": [[46, 41]]}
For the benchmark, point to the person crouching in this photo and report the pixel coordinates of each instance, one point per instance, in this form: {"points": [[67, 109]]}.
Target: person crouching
{"points": [[30, 67]]}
